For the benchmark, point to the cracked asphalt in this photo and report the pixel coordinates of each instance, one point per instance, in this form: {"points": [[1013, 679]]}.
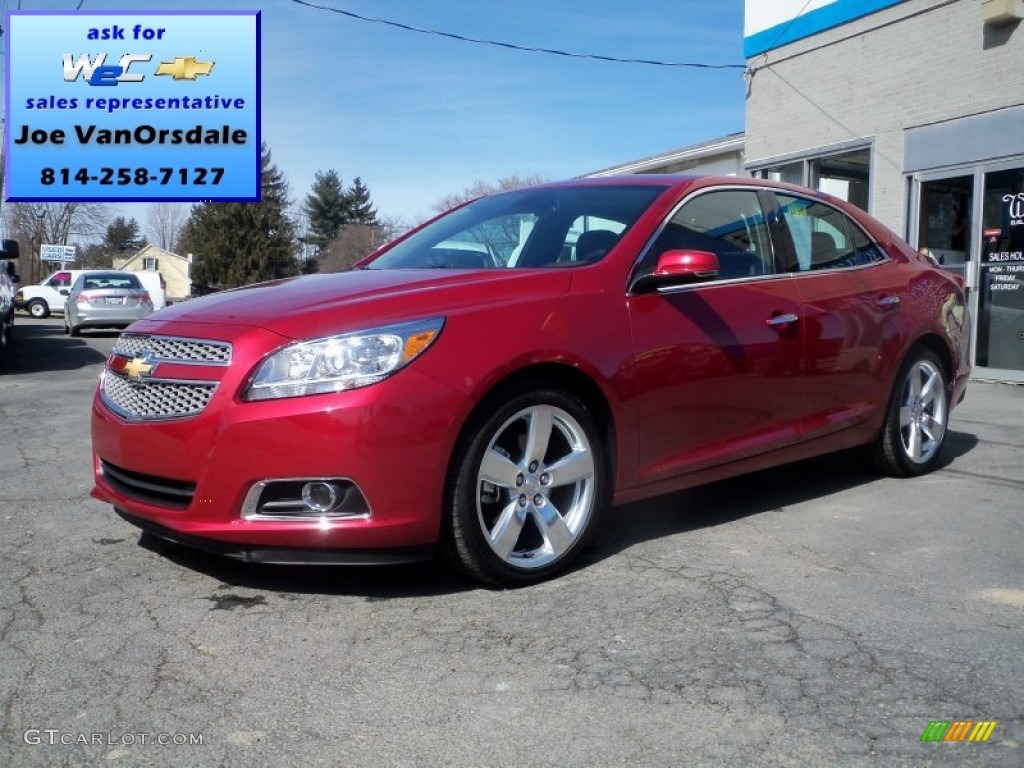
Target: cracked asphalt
{"points": [[807, 616]]}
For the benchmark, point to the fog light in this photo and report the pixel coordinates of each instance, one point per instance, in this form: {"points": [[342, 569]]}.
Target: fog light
{"points": [[319, 496]]}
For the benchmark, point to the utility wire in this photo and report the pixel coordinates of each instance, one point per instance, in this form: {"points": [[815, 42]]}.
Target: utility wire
{"points": [[785, 29], [513, 46]]}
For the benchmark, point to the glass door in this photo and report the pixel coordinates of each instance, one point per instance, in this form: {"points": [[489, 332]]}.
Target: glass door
{"points": [[1000, 315], [944, 221]]}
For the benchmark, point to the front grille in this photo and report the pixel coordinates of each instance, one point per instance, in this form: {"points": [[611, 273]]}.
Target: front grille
{"points": [[173, 349], [149, 399], [151, 489]]}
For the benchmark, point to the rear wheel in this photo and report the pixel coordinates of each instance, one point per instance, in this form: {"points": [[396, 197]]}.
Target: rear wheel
{"points": [[38, 309], [527, 484], [916, 420]]}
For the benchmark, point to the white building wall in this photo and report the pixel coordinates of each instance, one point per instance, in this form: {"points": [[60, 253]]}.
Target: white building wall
{"points": [[915, 63]]}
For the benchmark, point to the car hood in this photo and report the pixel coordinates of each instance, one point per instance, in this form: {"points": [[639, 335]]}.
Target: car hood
{"points": [[303, 307]]}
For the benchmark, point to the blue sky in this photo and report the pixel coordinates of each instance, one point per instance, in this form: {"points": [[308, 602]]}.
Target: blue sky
{"points": [[419, 117]]}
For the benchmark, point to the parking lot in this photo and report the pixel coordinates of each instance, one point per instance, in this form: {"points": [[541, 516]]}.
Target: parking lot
{"points": [[812, 615]]}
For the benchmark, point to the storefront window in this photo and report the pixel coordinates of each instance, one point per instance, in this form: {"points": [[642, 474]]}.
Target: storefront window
{"points": [[1001, 297], [792, 173], [844, 176]]}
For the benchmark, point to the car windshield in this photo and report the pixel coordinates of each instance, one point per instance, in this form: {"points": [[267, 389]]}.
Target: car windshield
{"points": [[536, 227]]}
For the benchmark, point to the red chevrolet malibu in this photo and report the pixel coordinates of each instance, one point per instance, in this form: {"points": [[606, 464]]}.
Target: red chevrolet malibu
{"points": [[487, 385]]}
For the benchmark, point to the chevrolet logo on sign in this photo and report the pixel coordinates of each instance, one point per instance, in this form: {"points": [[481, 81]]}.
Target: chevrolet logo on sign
{"points": [[139, 368]]}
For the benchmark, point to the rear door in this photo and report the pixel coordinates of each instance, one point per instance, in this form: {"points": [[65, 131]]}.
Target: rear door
{"points": [[851, 295], [718, 364]]}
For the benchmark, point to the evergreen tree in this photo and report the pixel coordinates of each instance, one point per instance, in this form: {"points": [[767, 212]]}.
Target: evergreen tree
{"points": [[240, 243], [327, 207], [361, 210], [123, 236]]}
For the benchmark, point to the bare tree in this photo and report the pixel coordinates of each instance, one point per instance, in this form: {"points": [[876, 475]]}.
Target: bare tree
{"points": [[355, 241], [34, 224], [166, 220], [479, 188]]}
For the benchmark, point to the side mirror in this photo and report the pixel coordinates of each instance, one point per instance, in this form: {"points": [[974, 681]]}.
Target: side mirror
{"points": [[9, 268], [678, 268], [9, 250]]}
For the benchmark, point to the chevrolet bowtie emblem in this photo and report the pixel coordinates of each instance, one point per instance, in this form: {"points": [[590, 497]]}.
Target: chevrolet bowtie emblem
{"points": [[184, 68], [139, 367]]}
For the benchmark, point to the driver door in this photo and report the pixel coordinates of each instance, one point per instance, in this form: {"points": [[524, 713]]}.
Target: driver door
{"points": [[718, 363]]}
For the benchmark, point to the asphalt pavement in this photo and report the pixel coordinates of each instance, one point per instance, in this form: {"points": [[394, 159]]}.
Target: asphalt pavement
{"points": [[813, 615]]}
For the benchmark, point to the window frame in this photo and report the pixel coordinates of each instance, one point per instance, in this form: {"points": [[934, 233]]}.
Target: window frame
{"points": [[642, 267], [788, 261]]}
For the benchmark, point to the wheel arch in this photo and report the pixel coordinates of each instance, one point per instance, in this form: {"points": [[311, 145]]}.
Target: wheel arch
{"points": [[567, 378], [934, 343]]}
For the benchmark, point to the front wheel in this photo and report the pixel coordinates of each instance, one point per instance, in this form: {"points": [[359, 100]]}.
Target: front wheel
{"points": [[526, 486], [39, 310], [915, 422]]}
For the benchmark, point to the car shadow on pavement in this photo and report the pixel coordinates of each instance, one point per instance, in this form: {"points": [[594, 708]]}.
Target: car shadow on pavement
{"points": [[725, 501], [373, 582], [622, 527], [38, 347]]}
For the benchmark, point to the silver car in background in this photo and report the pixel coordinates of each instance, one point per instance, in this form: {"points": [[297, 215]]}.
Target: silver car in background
{"points": [[113, 299]]}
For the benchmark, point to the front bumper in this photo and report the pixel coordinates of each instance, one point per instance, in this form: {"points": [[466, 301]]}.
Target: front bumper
{"points": [[391, 439]]}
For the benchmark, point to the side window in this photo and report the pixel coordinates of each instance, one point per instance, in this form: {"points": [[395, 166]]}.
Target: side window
{"points": [[824, 237], [59, 280], [728, 223]]}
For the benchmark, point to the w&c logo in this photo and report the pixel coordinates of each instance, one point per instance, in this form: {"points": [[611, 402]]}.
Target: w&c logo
{"points": [[96, 71]]}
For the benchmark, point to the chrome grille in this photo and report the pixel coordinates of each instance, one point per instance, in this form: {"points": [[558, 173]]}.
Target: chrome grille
{"points": [[173, 349], [155, 398]]}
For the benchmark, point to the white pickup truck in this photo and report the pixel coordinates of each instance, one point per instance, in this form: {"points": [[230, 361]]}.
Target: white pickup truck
{"points": [[40, 300]]}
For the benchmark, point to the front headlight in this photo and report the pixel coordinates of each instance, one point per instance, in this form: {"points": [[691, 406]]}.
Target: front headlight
{"points": [[342, 362]]}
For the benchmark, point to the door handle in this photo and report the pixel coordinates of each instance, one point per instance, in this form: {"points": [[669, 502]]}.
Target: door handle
{"points": [[781, 321], [889, 302]]}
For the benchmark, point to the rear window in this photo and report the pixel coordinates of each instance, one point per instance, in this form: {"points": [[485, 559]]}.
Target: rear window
{"points": [[98, 282]]}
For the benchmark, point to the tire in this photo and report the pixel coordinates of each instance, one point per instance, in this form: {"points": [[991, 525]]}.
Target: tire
{"points": [[528, 481], [916, 419], [38, 309], [74, 330]]}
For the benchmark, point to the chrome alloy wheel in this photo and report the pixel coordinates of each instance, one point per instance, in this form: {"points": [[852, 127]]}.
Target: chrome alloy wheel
{"points": [[923, 411], [535, 487]]}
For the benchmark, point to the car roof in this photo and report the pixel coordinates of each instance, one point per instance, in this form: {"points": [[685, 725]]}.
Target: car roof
{"points": [[679, 183]]}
